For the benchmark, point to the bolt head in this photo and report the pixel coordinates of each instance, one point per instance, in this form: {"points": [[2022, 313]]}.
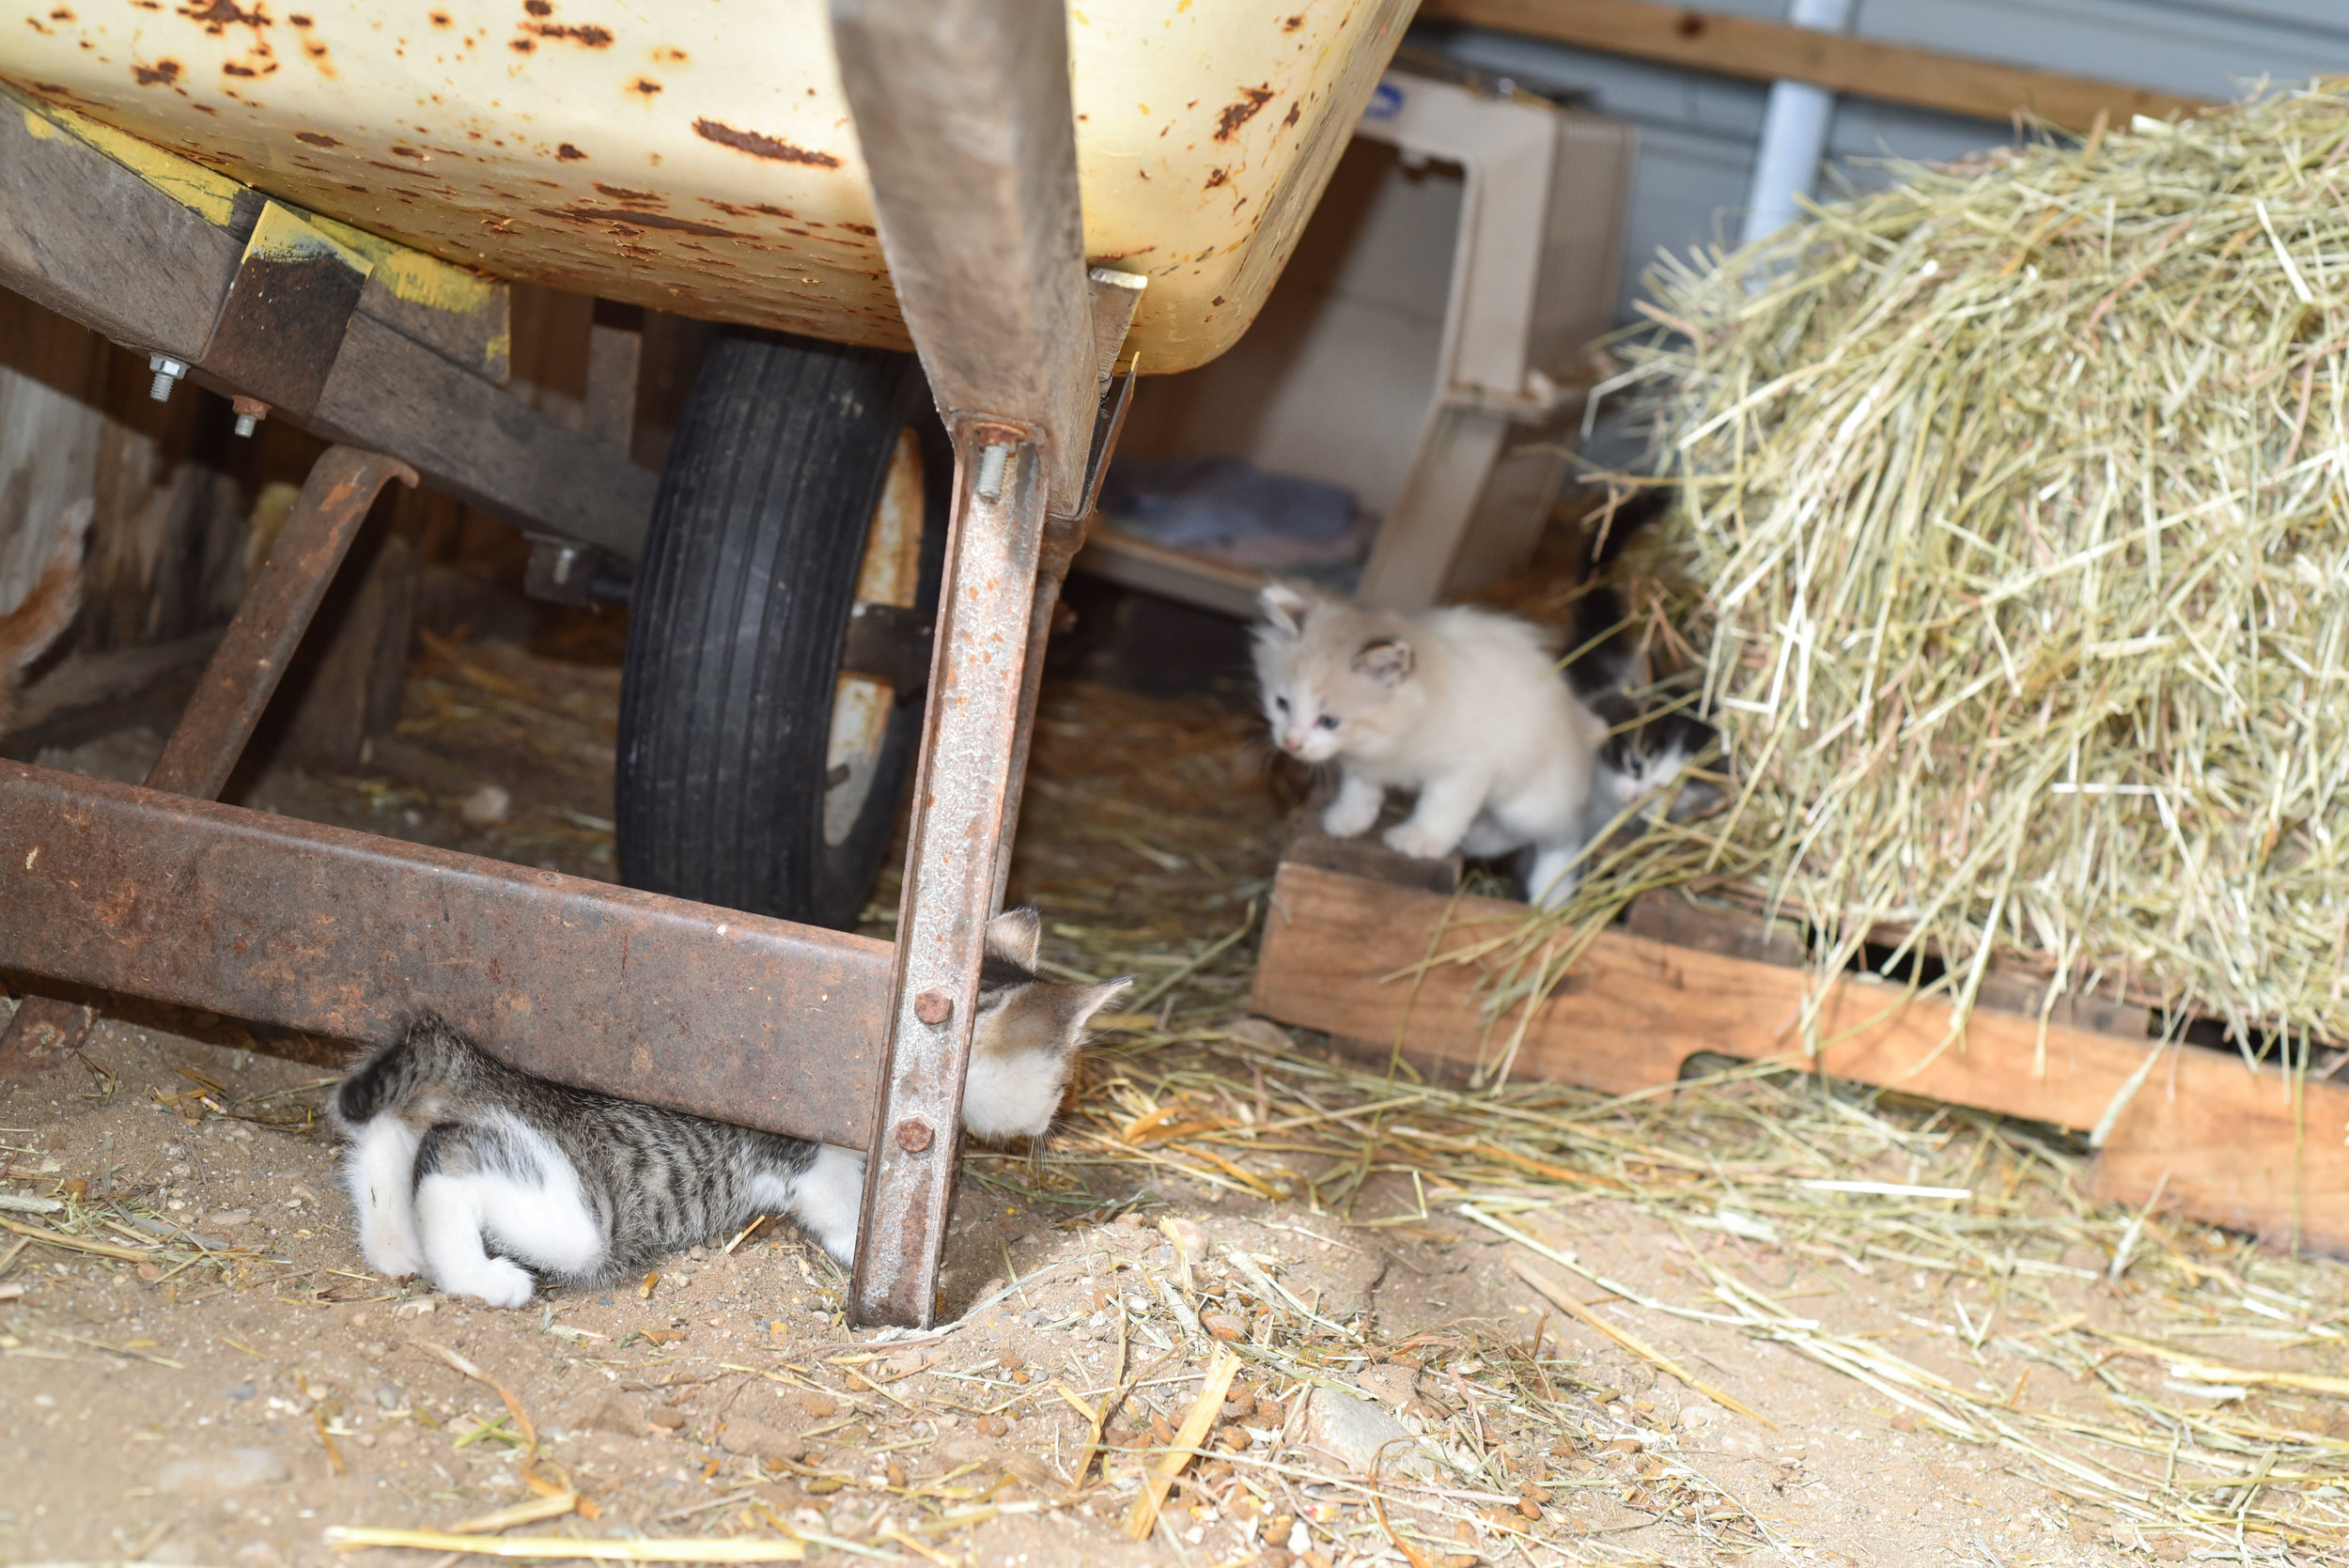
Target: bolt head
{"points": [[914, 1135], [933, 1006]]}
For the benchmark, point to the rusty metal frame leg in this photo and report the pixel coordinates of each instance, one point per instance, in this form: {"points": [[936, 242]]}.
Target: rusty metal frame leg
{"points": [[1114, 296], [962, 108], [275, 612], [1062, 540], [969, 742], [336, 933], [236, 687]]}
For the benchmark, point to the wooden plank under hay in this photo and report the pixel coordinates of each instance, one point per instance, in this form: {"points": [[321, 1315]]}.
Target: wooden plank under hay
{"points": [[2008, 554], [1395, 965]]}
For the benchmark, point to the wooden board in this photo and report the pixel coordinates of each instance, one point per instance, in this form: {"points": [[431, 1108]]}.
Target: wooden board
{"points": [[1176, 574], [481, 443], [1772, 51], [2235, 1149], [344, 688], [84, 237], [88, 238]]}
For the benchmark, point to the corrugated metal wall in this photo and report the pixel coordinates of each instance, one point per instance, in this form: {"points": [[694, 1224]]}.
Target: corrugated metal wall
{"points": [[1698, 133]]}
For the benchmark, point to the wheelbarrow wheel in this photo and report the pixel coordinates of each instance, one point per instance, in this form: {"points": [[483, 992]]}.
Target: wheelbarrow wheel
{"points": [[804, 478]]}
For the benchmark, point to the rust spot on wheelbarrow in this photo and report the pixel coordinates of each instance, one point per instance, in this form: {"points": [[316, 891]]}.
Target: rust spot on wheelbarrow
{"points": [[1236, 115], [761, 145]]}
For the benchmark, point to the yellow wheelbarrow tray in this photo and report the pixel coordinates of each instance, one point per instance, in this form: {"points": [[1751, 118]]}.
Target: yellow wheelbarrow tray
{"points": [[699, 156]]}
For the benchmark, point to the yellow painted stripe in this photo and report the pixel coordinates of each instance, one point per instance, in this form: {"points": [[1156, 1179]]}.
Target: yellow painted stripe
{"points": [[285, 234], [190, 184], [413, 275]]}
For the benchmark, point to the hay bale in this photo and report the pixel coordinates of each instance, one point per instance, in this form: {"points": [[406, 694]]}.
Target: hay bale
{"points": [[2014, 515]]}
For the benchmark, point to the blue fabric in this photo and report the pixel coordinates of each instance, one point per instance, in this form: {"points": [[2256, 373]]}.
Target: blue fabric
{"points": [[1204, 503]]}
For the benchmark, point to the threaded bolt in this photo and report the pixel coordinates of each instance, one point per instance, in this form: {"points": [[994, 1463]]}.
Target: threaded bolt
{"points": [[992, 461], [167, 373]]}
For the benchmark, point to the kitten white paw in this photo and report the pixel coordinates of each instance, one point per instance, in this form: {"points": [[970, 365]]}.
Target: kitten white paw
{"points": [[1410, 838], [828, 1198], [1348, 818], [391, 1256], [1553, 877], [499, 1282]]}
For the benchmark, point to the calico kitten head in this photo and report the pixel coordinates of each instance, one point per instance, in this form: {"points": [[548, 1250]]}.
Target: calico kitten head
{"points": [[1335, 678], [1647, 756], [1027, 1035]]}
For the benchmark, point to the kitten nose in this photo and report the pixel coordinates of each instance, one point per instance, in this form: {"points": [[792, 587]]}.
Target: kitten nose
{"points": [[1292, 742]]}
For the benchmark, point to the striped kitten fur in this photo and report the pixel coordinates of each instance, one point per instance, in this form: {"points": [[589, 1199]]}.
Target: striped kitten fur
{"points": [[484, 1178]]}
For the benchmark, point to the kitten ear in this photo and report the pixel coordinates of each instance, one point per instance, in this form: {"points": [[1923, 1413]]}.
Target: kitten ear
{"points": [[1022, 1052], [1082, 1001], [1015, 934], [1284, 608], [1384, 660]]}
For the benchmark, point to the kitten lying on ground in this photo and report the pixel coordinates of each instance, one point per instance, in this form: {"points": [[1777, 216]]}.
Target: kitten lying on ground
{"points": [[45, 612], [474, 1174], [1462, 705]]}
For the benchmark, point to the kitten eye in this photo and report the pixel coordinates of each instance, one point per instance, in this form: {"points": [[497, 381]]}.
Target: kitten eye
{"points": [[1282, 703], [1635, 766], [1327, 722]]}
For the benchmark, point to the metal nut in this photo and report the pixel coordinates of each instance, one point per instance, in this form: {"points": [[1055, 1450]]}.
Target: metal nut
{"points": [[933, 1006], [914, 1135]]}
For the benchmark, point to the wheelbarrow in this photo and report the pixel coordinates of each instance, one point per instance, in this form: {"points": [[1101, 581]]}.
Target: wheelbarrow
{"points": [[308, 208]]}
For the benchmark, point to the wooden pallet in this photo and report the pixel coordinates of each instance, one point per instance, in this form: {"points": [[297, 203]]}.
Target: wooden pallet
{"points": [[2233, 1145]]}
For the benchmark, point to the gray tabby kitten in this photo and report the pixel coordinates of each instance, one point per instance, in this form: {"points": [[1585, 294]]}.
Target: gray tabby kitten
{"points": [[476, 1174]]}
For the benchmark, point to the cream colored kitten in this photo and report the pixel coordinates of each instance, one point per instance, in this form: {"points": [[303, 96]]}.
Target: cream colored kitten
{"points": [[1464, 706]]}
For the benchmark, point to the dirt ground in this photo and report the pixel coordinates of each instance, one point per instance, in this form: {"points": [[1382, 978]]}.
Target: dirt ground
{"points": [[197, 1367]]}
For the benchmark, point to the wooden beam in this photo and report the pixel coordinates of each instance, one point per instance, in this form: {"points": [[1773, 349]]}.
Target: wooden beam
{"points": [[616, 353], [2230, 1143], [1772, 51], [481, 442], [84, 236], [90, 237]]}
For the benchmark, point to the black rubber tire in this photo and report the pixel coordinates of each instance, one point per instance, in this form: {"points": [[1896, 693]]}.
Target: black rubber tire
{"points": [[738, 618]]}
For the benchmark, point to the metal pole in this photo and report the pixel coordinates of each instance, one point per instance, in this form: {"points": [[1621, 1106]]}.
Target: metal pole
{"points": [[969, 740]]}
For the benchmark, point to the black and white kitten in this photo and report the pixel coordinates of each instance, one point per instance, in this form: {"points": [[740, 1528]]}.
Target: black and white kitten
{"points": [[1646, 754], [477, 1175]]}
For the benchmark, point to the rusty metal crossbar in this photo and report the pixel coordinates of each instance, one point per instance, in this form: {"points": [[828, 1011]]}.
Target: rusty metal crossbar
{"points": [[344, 933]]}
